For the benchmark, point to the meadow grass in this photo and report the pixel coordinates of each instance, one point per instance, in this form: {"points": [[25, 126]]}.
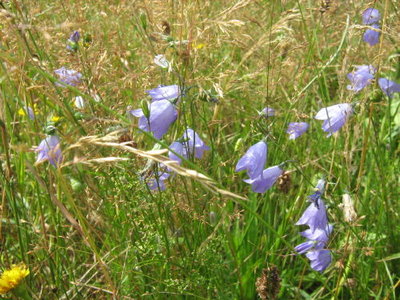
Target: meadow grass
{"points": [[91, 228]]}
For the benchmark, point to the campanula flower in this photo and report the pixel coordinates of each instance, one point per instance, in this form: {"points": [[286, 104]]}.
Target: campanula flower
{"points": [[266, 179], [178, 148], [334, 117], [296, 129], [371, 36], [388, 87], [361, 78], [157, 182], [314, 216], [161, 61], [320, 259], [371, 16], [49, 149], [168, 92], [72, 43], [162, 114], [253, 160], [193, 144], [315, 240], [268, 112], [67, 76]]}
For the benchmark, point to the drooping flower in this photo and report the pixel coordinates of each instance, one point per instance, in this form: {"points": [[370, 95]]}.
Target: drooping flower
{"points": [[388, 87], [265, 180], [296, 129], [162, 114], [67, 76], [253, 160], [318, 233], [72, 43], [268, 112], [11, 278], [177, 147], [334, 117], [371, 36], [161, 61], [157, 182], [49, 149], [193, 144], [371, 16], [79, 102], [315, 240], [361, 77], [320, 259], [168, 92]]}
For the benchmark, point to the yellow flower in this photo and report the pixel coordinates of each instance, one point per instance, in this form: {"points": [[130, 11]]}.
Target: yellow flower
{"points": [[199, 46], [11, 278], [55, 119]]}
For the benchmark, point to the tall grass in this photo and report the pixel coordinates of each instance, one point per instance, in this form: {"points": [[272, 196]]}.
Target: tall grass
{"points": [[91, 229]]}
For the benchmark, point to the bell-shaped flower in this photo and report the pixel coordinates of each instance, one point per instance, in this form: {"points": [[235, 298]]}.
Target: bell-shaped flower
{"points": [[315, 240], [72, 43], [360, 78], [314, 216], [296, 129], [177, 147], [265, 180], [161, 61], [157, 182], [253, 160], [371, 36], [168, 92], [388, 87], [268, 112], [371, 16], [193, 144], [334, 117], [49, 149], [319, 259], [162, 114], [67, 76]]}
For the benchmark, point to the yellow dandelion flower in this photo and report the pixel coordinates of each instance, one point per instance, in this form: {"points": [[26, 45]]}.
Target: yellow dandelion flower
{"points": [[12, 278]]}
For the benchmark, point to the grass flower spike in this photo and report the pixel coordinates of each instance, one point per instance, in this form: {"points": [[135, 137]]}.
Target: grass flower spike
{"points": [[254, 160], [11, 278], [334, 117]]}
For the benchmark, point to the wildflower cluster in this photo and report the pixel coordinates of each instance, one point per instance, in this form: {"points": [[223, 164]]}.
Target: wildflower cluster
{"points": [[318, 233]]}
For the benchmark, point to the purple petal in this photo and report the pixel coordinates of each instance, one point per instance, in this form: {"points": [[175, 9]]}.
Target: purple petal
{"points": [[253, 160], [266, 180], [296, 129], [371, 36], [371, 16], [193, 144], [388, 87], [320, 259], [168, 92], [314, 216]]}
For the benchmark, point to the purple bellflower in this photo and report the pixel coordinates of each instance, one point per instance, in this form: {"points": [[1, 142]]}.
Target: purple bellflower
{"points": [[371, 16], [361, 78], [253, 160], [334, 117], [320, 259], [296, 129], [162, 114], [49, 149], [193, 144], [66, 76], [371, 36], [265, 180], [72, 43], [168, 92], [388, 87], [178, 148], [268, 112], [318, 233], [157, 182]]}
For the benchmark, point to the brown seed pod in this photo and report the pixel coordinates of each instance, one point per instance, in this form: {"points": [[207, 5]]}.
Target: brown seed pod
{"points": [[284, 182], [269, 283], [166, 28]]}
